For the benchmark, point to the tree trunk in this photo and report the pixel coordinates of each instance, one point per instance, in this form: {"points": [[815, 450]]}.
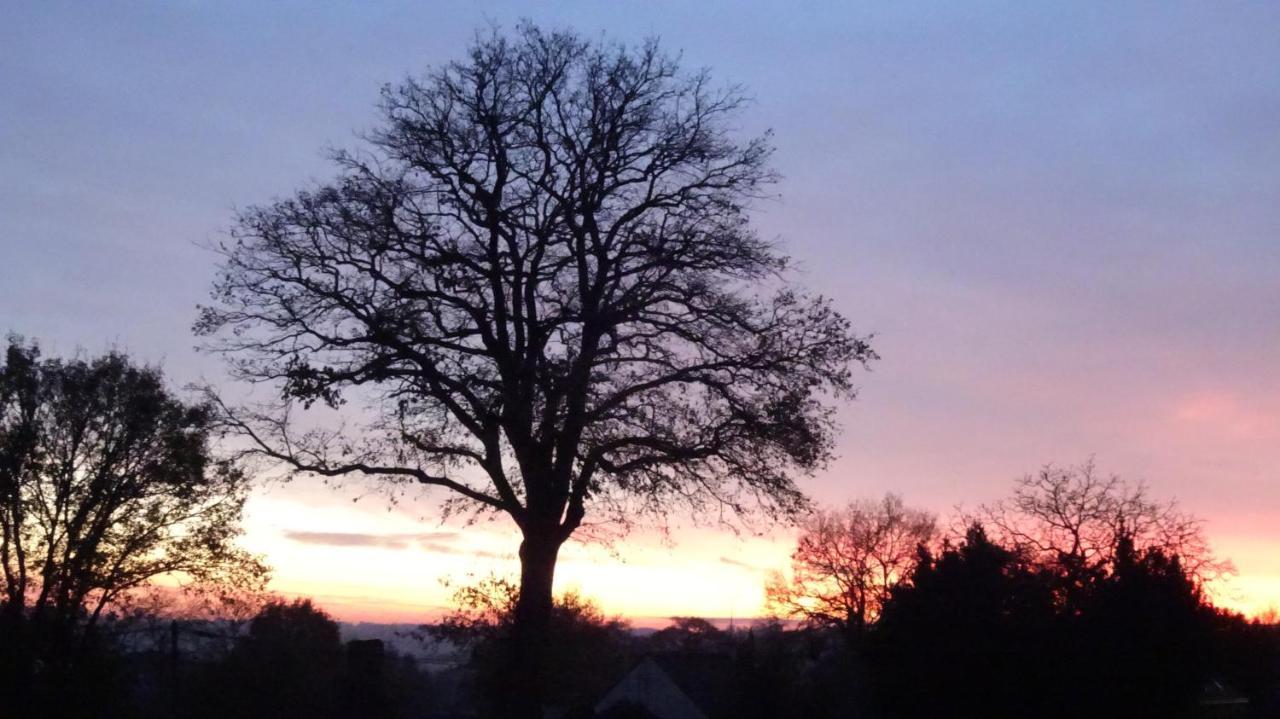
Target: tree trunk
{"points": [[17, 660], [530, 631]]}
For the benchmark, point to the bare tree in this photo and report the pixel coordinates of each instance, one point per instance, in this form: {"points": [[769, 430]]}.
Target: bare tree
{"points": [[1075, 518], [847, 561], [107, 482], [541, 280]]}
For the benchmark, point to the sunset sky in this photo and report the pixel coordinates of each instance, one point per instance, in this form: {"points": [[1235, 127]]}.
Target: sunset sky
{"points": [[1060, 220]]}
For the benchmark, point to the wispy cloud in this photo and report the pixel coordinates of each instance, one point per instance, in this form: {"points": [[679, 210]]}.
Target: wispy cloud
{"points": [[434, 541], [441, 548], [1228, 413], [739, 563]]}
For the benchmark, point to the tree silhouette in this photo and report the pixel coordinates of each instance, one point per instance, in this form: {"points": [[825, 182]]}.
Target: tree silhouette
{"points": [[541, 281], [689, 635], [288, 664], [107, 482], [847, 561], [589, 652], [966, 636], [984, 630], [1075, 519], [1144, 635]]}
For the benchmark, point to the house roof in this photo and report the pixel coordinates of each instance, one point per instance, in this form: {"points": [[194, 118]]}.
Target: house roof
{"points": [[681, 685], [1216, 693], [707, 679]]}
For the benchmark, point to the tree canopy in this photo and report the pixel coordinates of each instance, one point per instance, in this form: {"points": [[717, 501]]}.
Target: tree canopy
{"points": [[847, 561], [1075, 519], [107, 483], [539, 280], [985, 630], [540, 269]]}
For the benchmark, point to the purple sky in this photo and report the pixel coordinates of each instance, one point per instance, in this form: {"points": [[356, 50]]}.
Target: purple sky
{"points": [[1062, 221]]}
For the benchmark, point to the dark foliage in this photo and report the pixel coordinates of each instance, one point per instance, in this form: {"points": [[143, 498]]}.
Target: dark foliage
{"points": [[288, 665], [292, 664], [982, 631], [802, 673], [967, 636], [590, 650], [1245, 656], [1073, 519], [107, 482], [689, 635]]}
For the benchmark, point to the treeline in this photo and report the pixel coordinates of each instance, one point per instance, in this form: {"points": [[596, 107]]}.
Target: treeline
{"points": [[289, 661], [981, 629], [1079, 595]]}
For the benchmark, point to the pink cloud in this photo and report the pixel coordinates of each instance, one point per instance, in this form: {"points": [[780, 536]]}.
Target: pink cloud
{"points": [[1228, 414]]}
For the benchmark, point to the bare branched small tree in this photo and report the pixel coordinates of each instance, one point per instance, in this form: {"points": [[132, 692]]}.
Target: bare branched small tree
{"points": [[846, 562], [1075, 519], [541, 278]]}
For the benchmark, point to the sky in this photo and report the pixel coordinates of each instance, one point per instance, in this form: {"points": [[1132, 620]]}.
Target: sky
{"points": [[1060, 220]]}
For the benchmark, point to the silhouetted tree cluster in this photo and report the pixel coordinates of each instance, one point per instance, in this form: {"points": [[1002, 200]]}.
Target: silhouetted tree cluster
{"points": [[1074, 520], [290, 662], [805, 672], [107, 482], [1078, 596], [984, 630]]}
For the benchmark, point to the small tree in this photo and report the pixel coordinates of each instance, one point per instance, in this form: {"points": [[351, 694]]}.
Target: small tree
{"points": [[107, 482], [288, 664], [1075, 520], [847, 561], [690, 635], [590, 650], [542, 279]]}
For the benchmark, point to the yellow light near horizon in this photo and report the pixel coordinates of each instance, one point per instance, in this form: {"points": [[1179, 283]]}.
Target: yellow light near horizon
{"points": [[407, 583], [698, 573]]}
